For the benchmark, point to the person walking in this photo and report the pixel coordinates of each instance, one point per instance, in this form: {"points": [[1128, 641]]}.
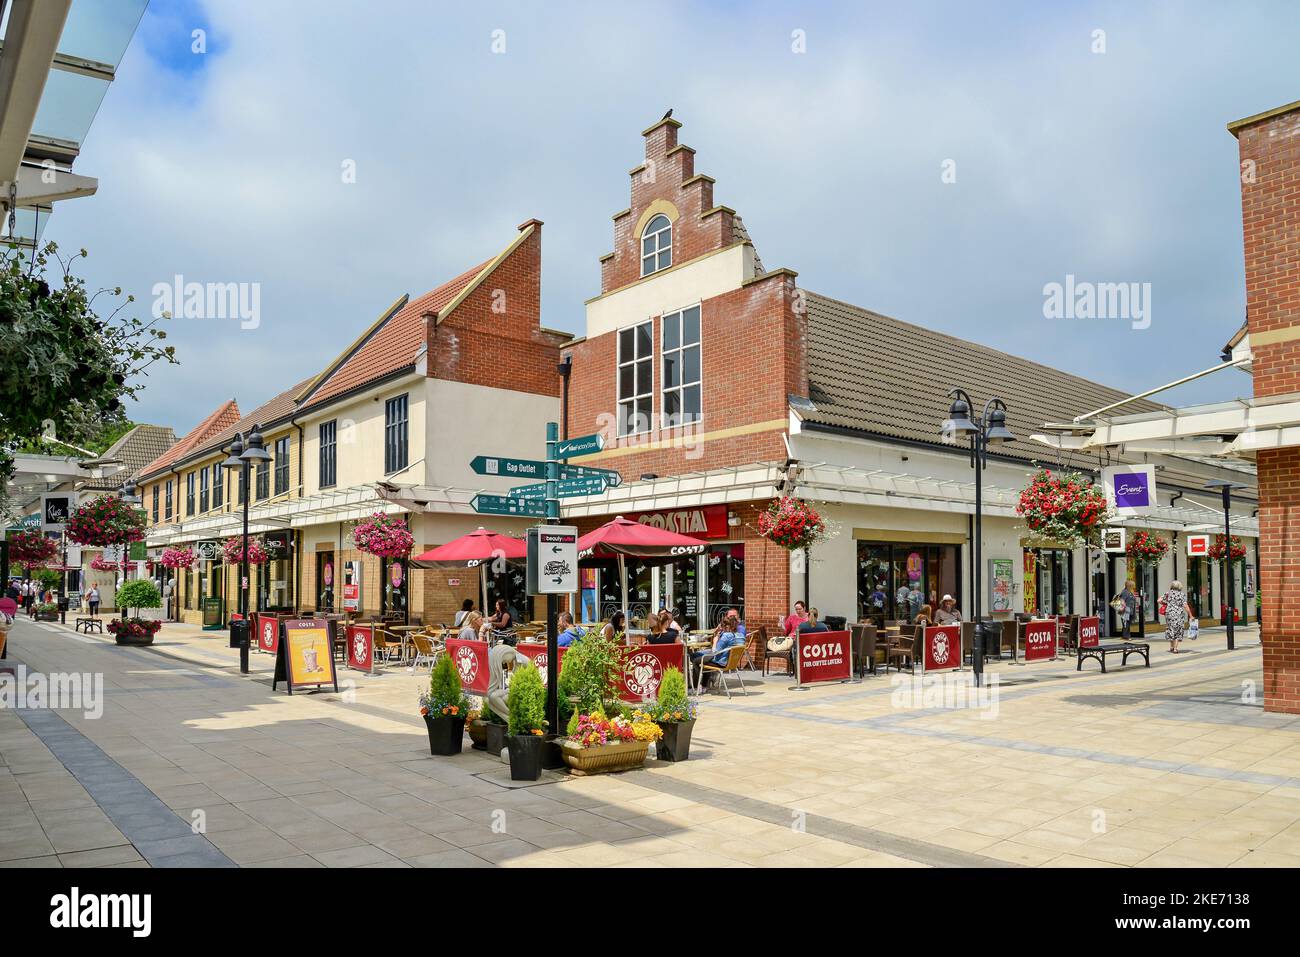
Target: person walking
{"points": [[1174, 607], [1125, 605], [92, 599]]}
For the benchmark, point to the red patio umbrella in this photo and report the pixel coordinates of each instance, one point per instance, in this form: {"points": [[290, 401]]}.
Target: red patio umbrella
{"points": [[622, 537], [474, 550]]}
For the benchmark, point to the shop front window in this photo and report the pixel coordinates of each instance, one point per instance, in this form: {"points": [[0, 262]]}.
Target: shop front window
{"points": [[509, 583], [325, 580], [726, 565], [896, 581], [1049, 581], [394, 573]]}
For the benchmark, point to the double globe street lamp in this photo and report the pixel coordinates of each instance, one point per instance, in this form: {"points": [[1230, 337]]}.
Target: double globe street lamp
{"points": [[990, 428], [242, 458]]}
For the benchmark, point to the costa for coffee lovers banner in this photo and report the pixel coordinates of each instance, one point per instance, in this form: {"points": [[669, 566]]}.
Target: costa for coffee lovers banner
{"points": [[361, 647], [1040, 640], [941, 648], [822, 656], [644, 667], [471, 661], [1089, 632]]}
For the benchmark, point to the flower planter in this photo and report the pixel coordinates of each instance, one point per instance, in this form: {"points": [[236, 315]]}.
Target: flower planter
{"points": [[605, 757], [478, 734], [675, 745], [446, 733], [133, 641], [495, 738], [47, 616], [525, 756]]}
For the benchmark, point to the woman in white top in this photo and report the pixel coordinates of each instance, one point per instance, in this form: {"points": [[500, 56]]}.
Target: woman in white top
{"points": [[461, 615]]}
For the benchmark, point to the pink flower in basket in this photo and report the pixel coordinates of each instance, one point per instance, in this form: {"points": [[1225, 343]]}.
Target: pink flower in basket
{"points": [[383, 535]]}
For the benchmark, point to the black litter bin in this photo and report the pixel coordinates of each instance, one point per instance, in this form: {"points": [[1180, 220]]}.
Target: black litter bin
{"points": [[836, 622], [238, 633]]}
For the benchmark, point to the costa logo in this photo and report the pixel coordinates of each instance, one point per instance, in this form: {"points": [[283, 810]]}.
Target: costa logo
{"points": [[686, 549], [642, 674], [940, 648], [467, 665], [1089, 632], [359, 646], [828, 650]]}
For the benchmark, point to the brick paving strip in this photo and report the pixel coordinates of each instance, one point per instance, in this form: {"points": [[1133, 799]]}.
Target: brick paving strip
{"points": [[162, 837]]}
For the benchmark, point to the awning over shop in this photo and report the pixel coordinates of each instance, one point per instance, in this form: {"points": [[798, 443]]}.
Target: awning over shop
{"points": [[342, 505]]}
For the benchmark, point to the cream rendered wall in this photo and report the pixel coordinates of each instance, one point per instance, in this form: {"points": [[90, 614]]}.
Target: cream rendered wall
{"points": [[468, 420]]}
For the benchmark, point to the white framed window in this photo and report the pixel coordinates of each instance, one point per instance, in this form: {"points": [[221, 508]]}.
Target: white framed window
{"points": [[636, 378], [656, 245], [681, 367]]}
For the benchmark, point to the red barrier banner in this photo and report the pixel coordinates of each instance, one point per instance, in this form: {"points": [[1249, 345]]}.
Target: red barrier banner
{"points": [[268, 632], [361, 647], [471, 661], [1040, 640], [644, 667], [822, 656], [1089, 632], [941, 648], [536, 650]]}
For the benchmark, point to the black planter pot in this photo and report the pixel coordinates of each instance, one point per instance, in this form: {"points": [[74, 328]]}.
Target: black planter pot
{"points": [[496, 738], [134, 641], [553, 754], [525, 756], [675, 745], [446, 734]]}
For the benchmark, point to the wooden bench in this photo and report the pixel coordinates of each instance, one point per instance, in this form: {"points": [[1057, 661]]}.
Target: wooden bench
{"points": [[90, 624], [1125, 648]]}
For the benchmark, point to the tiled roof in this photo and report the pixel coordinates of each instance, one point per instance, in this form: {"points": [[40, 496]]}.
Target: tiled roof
{"points": [[393, 345], [220, 418], [139, 447], [274, 410], [874, 374]]}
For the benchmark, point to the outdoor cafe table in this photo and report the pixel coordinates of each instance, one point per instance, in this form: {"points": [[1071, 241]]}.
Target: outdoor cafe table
{"points": [[696, 644]]}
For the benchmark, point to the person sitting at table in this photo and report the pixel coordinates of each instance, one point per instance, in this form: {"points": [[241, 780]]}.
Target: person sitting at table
{"points": [[466, 607], [670, 631], [732, 616], [501, 620], [924, 617], [569, 633], [614, 628], [470, 627], [795, 619], [718, 654], [814, 622], [947, 613]]}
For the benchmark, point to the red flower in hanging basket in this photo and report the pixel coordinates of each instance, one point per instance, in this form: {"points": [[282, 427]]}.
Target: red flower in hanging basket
{"points": [[232, 551], [101, 564], [177, 557], [1146, 548], [31, 549], [383, 535], [106, 521], [1064, 508], [1236, 549], [791, 523]]}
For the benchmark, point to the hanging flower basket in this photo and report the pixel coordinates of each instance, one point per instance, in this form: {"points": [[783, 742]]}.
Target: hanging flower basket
{"points": [[383, 535], [1146, 548], [791, 523], [101, 564], [31, 549], [177, 557], [1063, 508], [1236, 549], [232, 551], [106, 521]]}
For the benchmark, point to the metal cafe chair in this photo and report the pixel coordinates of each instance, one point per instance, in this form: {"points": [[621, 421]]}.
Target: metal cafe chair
{"points": [[735, 655], [425, 652], [753, 642]]}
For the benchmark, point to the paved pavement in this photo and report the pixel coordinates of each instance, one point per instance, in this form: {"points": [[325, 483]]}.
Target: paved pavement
{"points": [[192, 764]]}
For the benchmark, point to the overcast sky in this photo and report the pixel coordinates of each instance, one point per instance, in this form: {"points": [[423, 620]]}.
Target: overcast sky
{"points": [[1114, 166]]}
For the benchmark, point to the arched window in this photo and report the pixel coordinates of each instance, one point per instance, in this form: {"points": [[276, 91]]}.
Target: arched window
{"points": [[656, 245]]}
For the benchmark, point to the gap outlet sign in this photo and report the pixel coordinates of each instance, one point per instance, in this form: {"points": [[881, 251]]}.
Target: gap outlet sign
{"points": [[1130, 489]]}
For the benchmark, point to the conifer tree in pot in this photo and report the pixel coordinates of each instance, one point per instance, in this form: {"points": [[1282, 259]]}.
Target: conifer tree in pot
{"points": [[675, 715], [527, 701], [132, 629], [444, 707]]}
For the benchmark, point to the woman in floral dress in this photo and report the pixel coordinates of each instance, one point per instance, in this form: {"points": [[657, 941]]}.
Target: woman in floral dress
{"points": [[1176, 615]]}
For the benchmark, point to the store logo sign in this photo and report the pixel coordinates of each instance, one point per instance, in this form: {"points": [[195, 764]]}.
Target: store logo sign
{"points": [[1131, 490]]}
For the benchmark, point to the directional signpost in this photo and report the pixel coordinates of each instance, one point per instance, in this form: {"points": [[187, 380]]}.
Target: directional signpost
{"points": [[509, 467], [588, 485], [506, 505], [552, 560], [612, 478], [584, 445]]}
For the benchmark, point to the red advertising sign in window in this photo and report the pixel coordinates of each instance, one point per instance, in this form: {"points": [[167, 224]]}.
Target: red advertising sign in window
{"points": [[361, 647], [822, 656], [536, 650], [705, 521], [1089, 632], [268, 632], [471, 661], [1198, 545], [941, 648], [644, 667], [1040, 640]]}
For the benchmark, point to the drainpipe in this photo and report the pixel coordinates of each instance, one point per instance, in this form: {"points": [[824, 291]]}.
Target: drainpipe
{"points": [[299, 546], [176, 516]]}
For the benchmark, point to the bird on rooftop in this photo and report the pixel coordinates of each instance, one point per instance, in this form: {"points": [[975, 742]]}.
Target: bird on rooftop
{"points": [[669, 113]]}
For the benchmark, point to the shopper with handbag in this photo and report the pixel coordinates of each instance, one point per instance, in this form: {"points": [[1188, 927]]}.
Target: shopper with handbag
{"points": [[1174, 607]]}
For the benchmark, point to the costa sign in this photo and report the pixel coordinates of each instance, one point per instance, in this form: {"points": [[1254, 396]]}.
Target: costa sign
{"points": [[536, 651], [361, 647], [941, 648], [1040, 640], [268, 632], [1089, 632], [822, 656], [471, 661], [707, 521], [644, 667]]}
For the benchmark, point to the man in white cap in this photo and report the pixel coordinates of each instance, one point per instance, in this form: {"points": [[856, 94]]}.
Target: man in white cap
{"points": [[947, 613]]}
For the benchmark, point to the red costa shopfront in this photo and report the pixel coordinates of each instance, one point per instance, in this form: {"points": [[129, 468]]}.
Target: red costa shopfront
{"points": [[699, 588]]}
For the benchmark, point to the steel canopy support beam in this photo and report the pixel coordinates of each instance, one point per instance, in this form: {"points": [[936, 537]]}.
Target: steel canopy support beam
{"points": [[30, 43]]}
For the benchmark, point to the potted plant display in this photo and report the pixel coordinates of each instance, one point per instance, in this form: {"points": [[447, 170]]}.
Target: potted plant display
{"points": [[104, 521], [675, 715], [527, 701], [31, 550], [1235, 550], [1146, 548], [132, 629], [592, 673], [494, 732], [47, 611], [1063, 508], [476, 727], [597, 744], [383, 535], [445, 708], [792, 523]]}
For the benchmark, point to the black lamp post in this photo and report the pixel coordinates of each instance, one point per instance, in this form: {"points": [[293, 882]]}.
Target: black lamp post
{"points": [[242, 458], [1230, 609], [982, 431]]}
